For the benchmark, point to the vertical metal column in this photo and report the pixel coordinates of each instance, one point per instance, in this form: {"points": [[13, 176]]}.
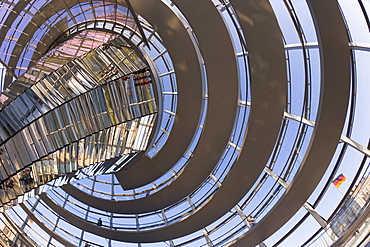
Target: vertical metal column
{"points": [[306, 205], [190, 203], [237, 208], [25, 223], [206, 236], [137, 226], [166, 222], [57, 221]]}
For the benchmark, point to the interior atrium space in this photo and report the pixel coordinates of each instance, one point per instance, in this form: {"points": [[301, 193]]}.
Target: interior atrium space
{"points": [[184, 123]]}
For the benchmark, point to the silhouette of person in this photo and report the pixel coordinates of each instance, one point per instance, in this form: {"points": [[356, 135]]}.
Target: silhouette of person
{"points": [[100, 223]]}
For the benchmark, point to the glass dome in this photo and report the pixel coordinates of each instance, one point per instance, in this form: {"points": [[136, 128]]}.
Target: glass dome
{"points": [[184, 123]]}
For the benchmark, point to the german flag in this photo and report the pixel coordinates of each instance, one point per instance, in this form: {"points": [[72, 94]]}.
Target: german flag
{"points": [[339, 180]]}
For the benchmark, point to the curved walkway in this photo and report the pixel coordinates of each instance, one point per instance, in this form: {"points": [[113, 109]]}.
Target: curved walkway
{"points": [[189, 83], [335, 83], [223, 99], [188, 75], [44, 227], [268, 80]]}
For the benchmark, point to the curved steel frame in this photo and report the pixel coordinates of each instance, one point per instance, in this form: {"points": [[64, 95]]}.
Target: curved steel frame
{"points": [[232, 187], [333, 43]]}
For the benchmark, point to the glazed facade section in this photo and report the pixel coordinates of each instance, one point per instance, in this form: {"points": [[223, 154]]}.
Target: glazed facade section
{"points": [[98, 67], [108, 145], [259, 106], [86, 111]]}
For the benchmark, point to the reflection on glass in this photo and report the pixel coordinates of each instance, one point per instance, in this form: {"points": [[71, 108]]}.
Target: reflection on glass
{"points": [[87, 111]]}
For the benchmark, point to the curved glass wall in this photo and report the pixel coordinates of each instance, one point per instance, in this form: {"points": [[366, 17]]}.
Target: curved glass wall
{"points": [[86, 111], [64, 214]]}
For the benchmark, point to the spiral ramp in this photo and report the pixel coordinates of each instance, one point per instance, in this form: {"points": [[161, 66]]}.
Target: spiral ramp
{"points": [[184, 123]]}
